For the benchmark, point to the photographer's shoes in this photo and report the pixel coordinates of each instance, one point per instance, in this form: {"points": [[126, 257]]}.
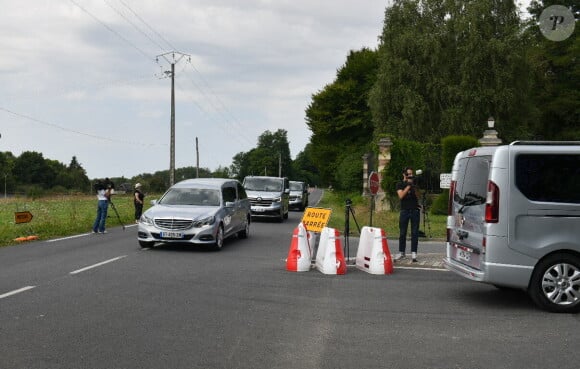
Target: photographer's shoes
{"points": [[400, 256]]}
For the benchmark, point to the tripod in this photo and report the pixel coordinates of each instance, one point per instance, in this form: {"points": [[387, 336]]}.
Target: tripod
{"points": [[116, 212], [348, 212], [425, 217]]}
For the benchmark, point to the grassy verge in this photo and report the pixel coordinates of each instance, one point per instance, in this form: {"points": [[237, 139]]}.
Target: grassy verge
{"points": [[59, 216], [69, 215], [434, 228]]}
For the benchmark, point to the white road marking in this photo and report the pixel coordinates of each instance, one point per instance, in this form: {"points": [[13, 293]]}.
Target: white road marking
{"points": [[17, 291], [69, 238], [97, 265], [83, 235]]}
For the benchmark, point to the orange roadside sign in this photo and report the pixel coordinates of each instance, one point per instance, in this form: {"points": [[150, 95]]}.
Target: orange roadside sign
{"points": [[315, 219], [22, 217]]}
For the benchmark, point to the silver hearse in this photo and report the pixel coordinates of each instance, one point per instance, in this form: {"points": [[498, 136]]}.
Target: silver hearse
{"points": [[197, 211]]}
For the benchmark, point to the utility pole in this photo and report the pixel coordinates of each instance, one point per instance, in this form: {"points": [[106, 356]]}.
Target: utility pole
{"points": [[172, 58], [197, 158], [279, 164]]}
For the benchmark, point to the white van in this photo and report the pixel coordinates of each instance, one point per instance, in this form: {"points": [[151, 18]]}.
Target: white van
{"points": [[514, 220]]}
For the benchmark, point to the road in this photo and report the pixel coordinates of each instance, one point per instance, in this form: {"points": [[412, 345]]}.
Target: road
{"points": [[98, 301]]}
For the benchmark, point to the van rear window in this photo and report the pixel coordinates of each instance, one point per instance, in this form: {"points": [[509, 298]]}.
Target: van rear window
{"points": [[549, 177], [473, 173]]}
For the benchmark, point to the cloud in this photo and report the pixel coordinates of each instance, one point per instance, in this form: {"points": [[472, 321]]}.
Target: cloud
{"points": [[85, 72]]}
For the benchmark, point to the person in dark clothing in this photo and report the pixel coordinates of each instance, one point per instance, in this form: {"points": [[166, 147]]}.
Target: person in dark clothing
{"points": [[410, 211], [138, 198]]}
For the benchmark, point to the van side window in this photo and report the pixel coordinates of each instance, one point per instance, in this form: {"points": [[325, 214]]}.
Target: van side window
{"points": [[549, 177], [472, 186], [229, 194]]}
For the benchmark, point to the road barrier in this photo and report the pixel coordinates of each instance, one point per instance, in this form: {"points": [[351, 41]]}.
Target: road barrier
{"points": [[329, 257], [373, 255], [299, 255]]}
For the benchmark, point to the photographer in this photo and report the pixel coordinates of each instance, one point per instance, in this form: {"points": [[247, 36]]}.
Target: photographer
{"points": [[138, 197], [410, 211], [104, 191]]}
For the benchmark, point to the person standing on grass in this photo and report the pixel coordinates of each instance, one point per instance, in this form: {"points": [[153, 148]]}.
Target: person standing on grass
{"points": [[410, 211], [103, 195], [138, 198]]}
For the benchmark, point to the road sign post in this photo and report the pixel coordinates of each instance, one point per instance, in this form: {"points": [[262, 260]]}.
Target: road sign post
{"points": [[374, 183]]}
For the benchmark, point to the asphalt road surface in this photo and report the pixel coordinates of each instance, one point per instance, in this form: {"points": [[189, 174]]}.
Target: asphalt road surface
{"points": [[99, 301]]}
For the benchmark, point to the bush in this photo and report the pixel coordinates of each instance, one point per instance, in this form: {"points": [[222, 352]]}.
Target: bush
{"points": [[440, 203], [348, 177], [451, 145]]}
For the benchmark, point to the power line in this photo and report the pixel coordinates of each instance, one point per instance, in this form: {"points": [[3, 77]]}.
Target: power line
{"points": [[234, 120], [148, 26], [134, 25], [111, 30], [241, 130], [219, 109], [53, 125], [215, 108]]}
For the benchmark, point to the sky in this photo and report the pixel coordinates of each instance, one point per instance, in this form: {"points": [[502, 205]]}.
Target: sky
{"points": [[86, 78]]}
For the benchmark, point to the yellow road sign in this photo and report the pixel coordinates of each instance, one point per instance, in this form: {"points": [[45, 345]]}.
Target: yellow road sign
{"points": [[315, 219], [22, 217]]}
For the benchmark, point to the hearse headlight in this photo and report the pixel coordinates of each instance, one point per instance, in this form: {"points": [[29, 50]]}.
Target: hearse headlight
{"points": [[204, 222], [145, 219]]}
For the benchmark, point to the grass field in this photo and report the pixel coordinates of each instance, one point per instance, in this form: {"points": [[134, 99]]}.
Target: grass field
{"points": [[69, 215], [59, 216]]}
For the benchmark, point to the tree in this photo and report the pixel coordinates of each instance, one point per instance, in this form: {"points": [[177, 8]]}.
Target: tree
{"points": [[30, 168], [557, 76], [270, 157], [7, 160], [446, 66], [339, 116], [221, 172], [78, 179], [303, 167]]}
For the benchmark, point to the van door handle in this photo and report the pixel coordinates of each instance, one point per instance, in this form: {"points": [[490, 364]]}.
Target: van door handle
{"points": [[462, 234]]}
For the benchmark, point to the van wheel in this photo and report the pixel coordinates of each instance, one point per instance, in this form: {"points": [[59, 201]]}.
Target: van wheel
{"points": [[555, 284]]}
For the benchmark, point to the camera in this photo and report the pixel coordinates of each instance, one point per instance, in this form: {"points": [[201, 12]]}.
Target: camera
{"points": [[105, 184]]}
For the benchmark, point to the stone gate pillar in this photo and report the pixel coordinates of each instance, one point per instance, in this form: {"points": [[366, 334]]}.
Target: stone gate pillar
{"points": [[365, 159], [385, 145]]}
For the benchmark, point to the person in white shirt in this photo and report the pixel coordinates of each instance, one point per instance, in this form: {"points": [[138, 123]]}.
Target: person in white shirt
{"points": [[103, 195]]}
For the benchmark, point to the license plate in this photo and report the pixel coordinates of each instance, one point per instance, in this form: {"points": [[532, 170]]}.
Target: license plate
{"points": [[463, 255], [259, 210], [171, 235]]}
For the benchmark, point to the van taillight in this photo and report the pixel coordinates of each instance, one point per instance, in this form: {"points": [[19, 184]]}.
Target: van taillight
{"points": [[450, 199], [492, 203]]}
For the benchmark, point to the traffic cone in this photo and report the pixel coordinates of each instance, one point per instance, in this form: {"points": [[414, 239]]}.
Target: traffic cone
{"points": [[299, 255], [330, 258]]}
